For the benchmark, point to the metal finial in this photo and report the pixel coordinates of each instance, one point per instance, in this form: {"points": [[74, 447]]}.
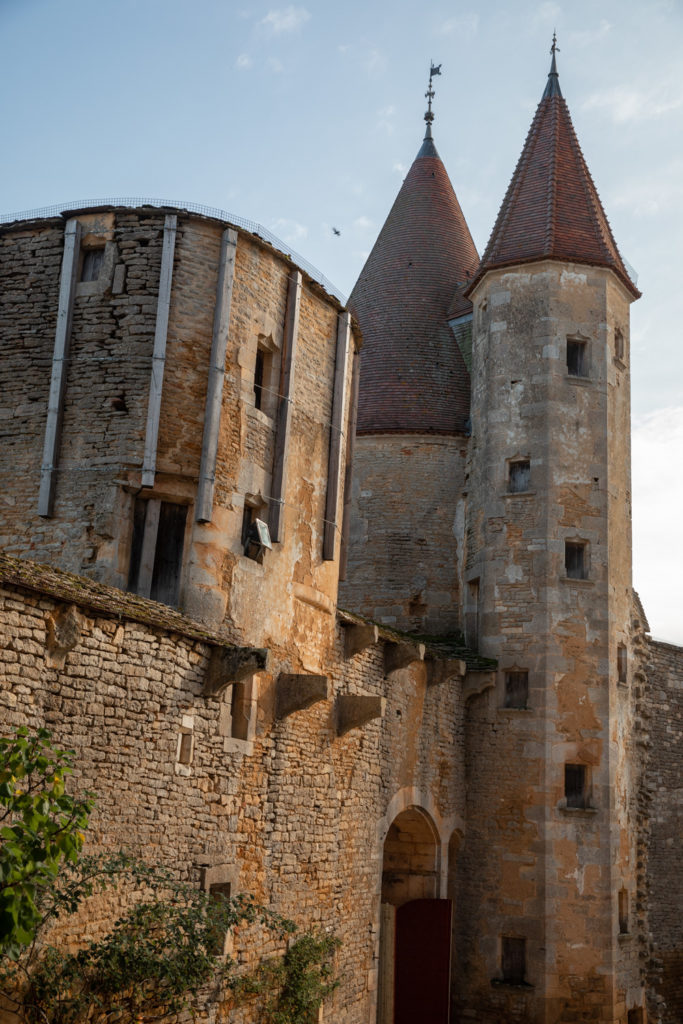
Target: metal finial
{"points": [[553, 86], [554, 47], [434, 69]]}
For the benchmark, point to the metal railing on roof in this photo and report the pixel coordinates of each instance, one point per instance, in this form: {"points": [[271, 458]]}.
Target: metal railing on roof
{"points": [[206, 211]]}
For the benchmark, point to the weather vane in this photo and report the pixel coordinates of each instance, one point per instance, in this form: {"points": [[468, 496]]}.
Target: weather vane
{"points": [[554, 48], [434, 69]]}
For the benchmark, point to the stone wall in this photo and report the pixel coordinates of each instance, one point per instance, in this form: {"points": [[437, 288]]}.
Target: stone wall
{"points": [[662, 708]]}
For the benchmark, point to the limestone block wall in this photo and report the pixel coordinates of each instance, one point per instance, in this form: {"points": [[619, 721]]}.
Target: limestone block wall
{"points": [[406, 531], [297, 817], [662, 709]]}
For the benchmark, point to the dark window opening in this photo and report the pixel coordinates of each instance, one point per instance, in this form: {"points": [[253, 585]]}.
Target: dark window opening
{"points": [[472, 614], [255, 536], [577, 358], [248, 516], [259, 371], [622, 663], [520, 473], [576, 785], [516, 689], [220, 890], [240, 711], [157, 550], [618, 344], [91, 266], [635, 1016], [185, 748], [623, 912], [513, 960], [575, 562]]}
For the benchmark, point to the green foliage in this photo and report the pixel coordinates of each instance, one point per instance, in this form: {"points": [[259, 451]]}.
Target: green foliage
{"points": [[292, 988], [41, 828]]}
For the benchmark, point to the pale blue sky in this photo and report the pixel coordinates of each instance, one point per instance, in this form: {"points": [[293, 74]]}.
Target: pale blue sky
{"points": [[306, 115]]}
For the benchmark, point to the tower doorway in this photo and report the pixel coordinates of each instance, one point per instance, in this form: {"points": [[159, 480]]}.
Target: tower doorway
{"points": [[415, 936]]}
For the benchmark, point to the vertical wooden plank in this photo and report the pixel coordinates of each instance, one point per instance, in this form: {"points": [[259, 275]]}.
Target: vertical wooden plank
{"points": [[348, 473], [284, 409], [214, 392], [336, 435], [60, 358], [385, 980], [149, 547], [159, 355]]}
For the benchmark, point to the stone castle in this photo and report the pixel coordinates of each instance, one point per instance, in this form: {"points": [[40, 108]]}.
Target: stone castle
{"points": [[335, 605]]}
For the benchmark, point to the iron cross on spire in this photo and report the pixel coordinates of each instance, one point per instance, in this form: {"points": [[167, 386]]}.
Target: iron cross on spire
{"points": [[434, 69]]}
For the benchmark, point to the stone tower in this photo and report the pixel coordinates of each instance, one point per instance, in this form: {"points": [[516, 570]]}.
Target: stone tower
{"points": [[413, 408], [550, 804]]}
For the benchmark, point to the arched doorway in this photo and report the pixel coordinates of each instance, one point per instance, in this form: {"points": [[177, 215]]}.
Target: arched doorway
{"points": [[415, 936]]}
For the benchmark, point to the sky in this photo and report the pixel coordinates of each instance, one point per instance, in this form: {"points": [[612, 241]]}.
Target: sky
{"points": [[306, 116]]}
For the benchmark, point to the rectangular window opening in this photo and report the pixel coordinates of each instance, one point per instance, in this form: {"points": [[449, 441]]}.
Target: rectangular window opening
{"points": [[157, 550], [576, 785], [513, 960], [623, 912], [93, 260], [575, 561], [635, 1016], [516, 689], [472, 614], [185, 748], [577, 358], [618, 344], [622, 663], [519, 476], [240, 711], [259, 371]]}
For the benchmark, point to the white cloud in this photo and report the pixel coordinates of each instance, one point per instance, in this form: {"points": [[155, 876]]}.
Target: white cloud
{"points": [[636, 103], [657, 500], [285, 19], [399, 168], [243, 62], [289, 230], [584, 37], [363, 223], [466, 25]]}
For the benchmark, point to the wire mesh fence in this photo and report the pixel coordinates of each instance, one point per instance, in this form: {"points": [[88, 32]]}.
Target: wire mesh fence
{"points": [[206, 211]]}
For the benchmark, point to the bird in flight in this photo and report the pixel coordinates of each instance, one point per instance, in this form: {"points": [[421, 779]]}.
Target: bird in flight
{"points": [[336, 231]]}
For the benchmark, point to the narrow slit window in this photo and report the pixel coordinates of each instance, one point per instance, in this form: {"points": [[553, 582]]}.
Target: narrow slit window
{"points": [[623, 912], [240, 711], [93, 260], [259, 374], [519, 476], [185, 748], [513, 960], [577, 358], [516, 689], [618, 344], [622, 663], [576, 785], [575, 561]]}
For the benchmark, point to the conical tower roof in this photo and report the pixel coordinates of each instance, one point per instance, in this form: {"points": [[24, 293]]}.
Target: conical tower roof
{"points": [[552, 209], [413, 377]]}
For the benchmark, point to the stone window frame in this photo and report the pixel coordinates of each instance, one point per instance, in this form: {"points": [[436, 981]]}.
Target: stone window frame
{"points": [[103, 282], [623, 911], [577, 542], [510, 474], [513, 670], [268, 343], [587, 803], [215, 877], [238, 715], [183, 750], [155, 499], [513, 960], [619, 346], [622, 663], [578, 346]]}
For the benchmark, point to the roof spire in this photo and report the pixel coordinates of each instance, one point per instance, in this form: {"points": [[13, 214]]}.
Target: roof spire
{"points": [[434, 69], [553, 86]]}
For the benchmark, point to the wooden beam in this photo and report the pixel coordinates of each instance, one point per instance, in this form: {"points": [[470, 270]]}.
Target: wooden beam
{"points": [[284, 409], [336, 435], [149, 547], [214, 391], [348, 473], [149, 463], [295, 692], [60, 359]]}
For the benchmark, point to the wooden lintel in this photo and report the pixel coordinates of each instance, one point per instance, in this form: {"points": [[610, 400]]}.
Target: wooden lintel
{"points": [[336, 436], [214, 392], [284, 409], [228, 665], [60, 362], [156, 381], [476, 682], [441, 669], [357, 638], [400, 655], [356, 710], [295, 692]]}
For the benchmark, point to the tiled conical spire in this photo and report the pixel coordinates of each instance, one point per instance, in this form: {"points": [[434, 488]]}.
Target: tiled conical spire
{"points": [[552, 209], [413, 378]]}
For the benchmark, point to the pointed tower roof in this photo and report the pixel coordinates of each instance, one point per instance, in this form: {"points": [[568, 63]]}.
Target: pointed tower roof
{"points": [[413, 377], [552, 209]]}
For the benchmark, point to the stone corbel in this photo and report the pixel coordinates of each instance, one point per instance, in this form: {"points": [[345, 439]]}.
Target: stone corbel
{"points": [[228, 665], [357, 638], [355, 710], [441, 669], [400, 655], [476, 682], [296, 692]]}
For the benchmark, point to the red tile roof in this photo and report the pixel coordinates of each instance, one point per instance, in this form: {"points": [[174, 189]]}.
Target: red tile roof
{"points": [[552, 209], [413, 378]]}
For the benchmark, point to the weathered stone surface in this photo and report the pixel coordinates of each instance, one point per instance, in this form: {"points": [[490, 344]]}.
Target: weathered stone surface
{"points": [[298, 692]]}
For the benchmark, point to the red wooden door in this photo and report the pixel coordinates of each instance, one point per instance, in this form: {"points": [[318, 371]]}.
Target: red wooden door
{"points": [[423, 962]]}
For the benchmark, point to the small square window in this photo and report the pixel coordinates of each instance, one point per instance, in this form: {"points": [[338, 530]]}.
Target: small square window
{"points": [[513, 960], [519, 475], [622, 663], [576, 785], [516, 689], [575, 560], [93, 260], [577, 358]]}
